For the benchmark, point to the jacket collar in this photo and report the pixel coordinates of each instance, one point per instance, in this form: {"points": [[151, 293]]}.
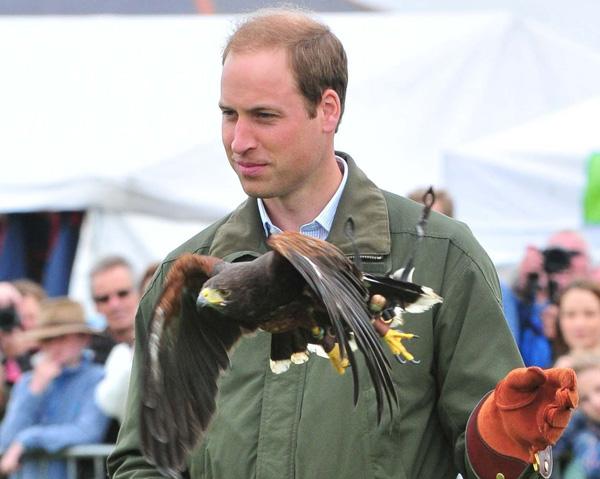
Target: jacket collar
{"points": [[242, 234]]}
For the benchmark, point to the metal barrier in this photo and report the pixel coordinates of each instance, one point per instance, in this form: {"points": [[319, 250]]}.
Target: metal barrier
{"points": [[97, 453]]}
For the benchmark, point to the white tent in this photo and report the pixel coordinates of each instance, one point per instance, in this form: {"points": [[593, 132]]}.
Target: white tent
{"points": [[100, 113], [519, 186]]}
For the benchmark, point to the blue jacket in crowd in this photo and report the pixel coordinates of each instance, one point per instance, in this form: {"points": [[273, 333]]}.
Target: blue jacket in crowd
{"points": [[64, 415]]}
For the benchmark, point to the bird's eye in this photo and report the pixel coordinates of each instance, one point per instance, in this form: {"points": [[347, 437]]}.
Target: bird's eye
{"points": [[224, 293]]}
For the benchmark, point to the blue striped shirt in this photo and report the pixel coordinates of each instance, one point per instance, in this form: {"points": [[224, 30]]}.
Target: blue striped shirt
{"points": [[321, 225]]}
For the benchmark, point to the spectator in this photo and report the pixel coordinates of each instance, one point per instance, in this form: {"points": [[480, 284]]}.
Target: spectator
{"points": [[581, 441], [116, 297], [29, 310], [579, 320], [9, 350], [443, 200], [19, 310], [542, 275], [52, 406], [32, 295]]}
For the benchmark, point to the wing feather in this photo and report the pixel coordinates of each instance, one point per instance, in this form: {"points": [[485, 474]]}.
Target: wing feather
{"points": [[184, 355], [338, 284]]}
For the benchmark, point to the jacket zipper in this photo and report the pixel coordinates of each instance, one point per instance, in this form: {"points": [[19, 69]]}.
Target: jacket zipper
{"points": [[367, 257]]}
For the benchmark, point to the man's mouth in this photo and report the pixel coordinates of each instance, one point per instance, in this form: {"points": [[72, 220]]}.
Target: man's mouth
{"points": [[246, 168]]}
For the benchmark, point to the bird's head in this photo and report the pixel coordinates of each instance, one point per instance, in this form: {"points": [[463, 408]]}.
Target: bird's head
{"points": [[213, 298]]}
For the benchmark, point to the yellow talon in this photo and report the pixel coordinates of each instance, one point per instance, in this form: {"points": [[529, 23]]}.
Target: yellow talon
{"points": [[340, 364], [394, 339]]}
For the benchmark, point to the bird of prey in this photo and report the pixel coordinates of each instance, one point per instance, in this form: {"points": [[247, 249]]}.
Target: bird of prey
{"points": [[302, 291]]}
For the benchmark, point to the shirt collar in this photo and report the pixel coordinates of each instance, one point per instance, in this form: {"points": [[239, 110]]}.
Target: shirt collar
{"points": [[321, 225]]}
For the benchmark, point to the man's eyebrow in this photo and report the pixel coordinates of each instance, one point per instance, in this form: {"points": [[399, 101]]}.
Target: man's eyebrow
{"points": [[254, 109]]}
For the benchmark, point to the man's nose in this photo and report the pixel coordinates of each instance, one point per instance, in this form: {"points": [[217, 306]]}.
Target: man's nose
{"points": [[243, 137]]}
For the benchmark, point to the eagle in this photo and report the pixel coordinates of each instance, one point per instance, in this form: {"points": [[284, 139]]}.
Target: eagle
{"points": [[304, 291]]}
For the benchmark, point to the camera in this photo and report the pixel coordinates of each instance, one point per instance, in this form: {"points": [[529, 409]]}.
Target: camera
{"points": [[9, 319], [557, 259], [554, 260]]}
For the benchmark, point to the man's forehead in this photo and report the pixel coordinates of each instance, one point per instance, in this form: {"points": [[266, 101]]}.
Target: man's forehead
{"points": [[112, 274]]}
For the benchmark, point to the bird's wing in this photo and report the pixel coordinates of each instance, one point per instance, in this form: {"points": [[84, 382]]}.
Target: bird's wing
{"points": [[338, 284], [411, 297], [184, 354]]}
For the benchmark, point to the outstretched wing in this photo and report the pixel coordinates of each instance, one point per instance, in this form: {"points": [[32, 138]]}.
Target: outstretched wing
{"points": [[338, 284], [184, 354]]}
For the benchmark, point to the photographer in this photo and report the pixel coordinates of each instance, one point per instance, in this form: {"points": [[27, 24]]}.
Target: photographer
{"points": [[542, 275], [19, 310], [9, 372]]}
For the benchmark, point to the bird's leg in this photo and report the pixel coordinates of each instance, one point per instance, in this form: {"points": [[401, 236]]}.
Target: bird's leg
{"points": [[382, 320], [299, 342], [332, 348], [281, 351]]}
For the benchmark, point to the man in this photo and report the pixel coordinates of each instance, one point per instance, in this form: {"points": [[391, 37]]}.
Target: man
{"points": [[116, 297], [534, 296], [282, 97], [20, 308]]}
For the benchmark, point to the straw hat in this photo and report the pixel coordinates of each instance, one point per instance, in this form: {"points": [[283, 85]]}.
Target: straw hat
{"points": [[59, 316]]}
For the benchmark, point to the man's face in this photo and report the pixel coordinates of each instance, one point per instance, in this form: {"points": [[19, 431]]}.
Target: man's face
{"points": [[116, 298], [270, 141]]}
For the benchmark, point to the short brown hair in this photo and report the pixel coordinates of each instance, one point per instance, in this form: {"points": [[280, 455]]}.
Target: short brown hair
{"points": [[582, 283], [317, 57]]}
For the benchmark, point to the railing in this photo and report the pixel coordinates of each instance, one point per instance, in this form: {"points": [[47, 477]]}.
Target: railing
{"points": [[97, 453]]}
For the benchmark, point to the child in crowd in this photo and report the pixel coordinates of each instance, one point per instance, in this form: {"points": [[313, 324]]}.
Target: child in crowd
{"points": [[52, 406], [581, 440]]}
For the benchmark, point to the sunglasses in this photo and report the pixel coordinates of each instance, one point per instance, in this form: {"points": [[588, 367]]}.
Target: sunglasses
{"points": [[105, 298]]}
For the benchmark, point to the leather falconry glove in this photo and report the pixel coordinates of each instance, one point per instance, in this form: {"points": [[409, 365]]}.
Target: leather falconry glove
{"points": [[519, 420]]}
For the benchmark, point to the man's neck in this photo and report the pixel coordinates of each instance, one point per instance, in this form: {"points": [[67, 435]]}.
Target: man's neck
{"points": [[291, 212], [122, 335]]}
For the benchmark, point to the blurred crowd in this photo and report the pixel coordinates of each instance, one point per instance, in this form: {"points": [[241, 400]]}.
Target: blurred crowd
{"points": [[63, 382]]}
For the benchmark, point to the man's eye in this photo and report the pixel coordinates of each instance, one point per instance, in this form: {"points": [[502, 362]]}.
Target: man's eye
{"points": [[265, 115]]}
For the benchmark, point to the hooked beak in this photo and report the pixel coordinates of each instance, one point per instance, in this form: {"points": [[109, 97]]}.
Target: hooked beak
{"points": [[210, 297]]}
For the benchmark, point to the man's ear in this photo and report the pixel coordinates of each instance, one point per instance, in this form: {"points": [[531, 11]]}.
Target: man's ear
{"points": [[331, 109]]}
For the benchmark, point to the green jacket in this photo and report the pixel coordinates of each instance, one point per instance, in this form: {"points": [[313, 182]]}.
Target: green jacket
{"points": [[302, 424]]}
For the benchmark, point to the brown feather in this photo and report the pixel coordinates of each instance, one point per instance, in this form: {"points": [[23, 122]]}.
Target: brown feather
{"points": [[189, 270]]}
